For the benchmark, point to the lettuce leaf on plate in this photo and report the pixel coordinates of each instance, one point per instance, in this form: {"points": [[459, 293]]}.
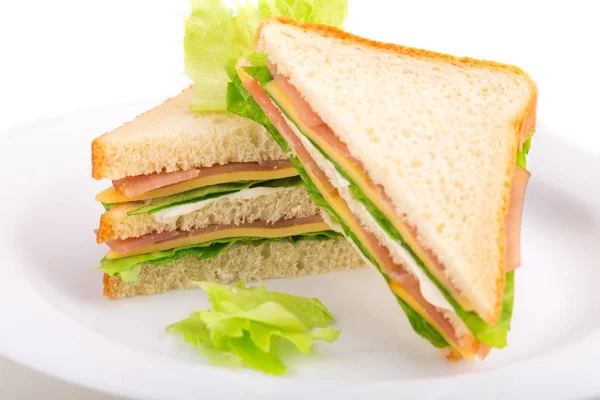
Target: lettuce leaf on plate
{"points": [[245, 324], [213, 35]]}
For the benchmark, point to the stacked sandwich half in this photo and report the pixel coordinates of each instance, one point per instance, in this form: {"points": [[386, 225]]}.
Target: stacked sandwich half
{"points": [[204, 197]]}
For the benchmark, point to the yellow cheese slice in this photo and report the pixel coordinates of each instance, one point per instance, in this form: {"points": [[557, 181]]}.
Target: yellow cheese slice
{"points": [[262, 232], [111, 195], [403, 294], [363, 181]]}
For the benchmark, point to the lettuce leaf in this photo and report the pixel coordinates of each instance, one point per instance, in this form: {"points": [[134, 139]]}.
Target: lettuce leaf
{"points": [[327, 12], [195, 332], [208, 192], [214, 35], [240, 102], [191, 196], [245, 324], [129, 268], [522, 154], [422, 327], [260, 73], [495, 336], [309, 314], [284, 182]]}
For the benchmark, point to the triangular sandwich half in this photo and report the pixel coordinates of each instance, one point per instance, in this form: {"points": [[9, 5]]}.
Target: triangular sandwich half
{"points": [[414, 155]]}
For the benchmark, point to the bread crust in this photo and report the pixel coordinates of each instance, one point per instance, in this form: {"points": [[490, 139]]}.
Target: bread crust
{"points": [[105, 229], [329, 31], [98, 158], [111, 286], [523, 125]]}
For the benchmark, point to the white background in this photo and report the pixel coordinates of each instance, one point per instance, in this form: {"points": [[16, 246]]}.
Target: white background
{"points": [[65, 55]]}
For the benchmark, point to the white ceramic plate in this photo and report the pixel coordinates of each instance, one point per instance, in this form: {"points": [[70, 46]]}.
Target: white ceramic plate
{"points": [[53, 316]]}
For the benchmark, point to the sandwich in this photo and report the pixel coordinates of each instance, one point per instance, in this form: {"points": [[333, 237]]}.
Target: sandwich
{"points": [[204, 197], [419, 159]]}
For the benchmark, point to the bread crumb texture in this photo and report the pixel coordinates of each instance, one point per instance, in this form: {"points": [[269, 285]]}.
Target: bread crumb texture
{"points": [[242, 261]]}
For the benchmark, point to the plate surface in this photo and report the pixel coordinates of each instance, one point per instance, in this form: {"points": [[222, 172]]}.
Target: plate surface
{"points": [[55, 319]]}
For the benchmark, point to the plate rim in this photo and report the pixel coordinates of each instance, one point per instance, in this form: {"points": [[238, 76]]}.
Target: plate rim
{"points": [[26, 355]]}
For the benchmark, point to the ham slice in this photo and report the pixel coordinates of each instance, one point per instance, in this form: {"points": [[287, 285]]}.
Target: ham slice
{"points": [[133, 186], [308, 116], [127, 245], [379, 252], [514, 218]]}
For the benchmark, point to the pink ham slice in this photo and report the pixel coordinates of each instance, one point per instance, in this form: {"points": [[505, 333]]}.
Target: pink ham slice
{"points": [[397, 272], [306, 113], [133, 186], [127, 245], [514, 218]]}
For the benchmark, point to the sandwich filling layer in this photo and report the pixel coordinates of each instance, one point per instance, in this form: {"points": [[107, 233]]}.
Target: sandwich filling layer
{"points": [[170, 240], [168, 198], [127, 255], [147, 187]]}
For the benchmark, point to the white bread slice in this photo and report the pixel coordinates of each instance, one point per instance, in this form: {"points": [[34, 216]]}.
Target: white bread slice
{"points": [[293, 202], [242, 261], [439, 133], [170, 138]]}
